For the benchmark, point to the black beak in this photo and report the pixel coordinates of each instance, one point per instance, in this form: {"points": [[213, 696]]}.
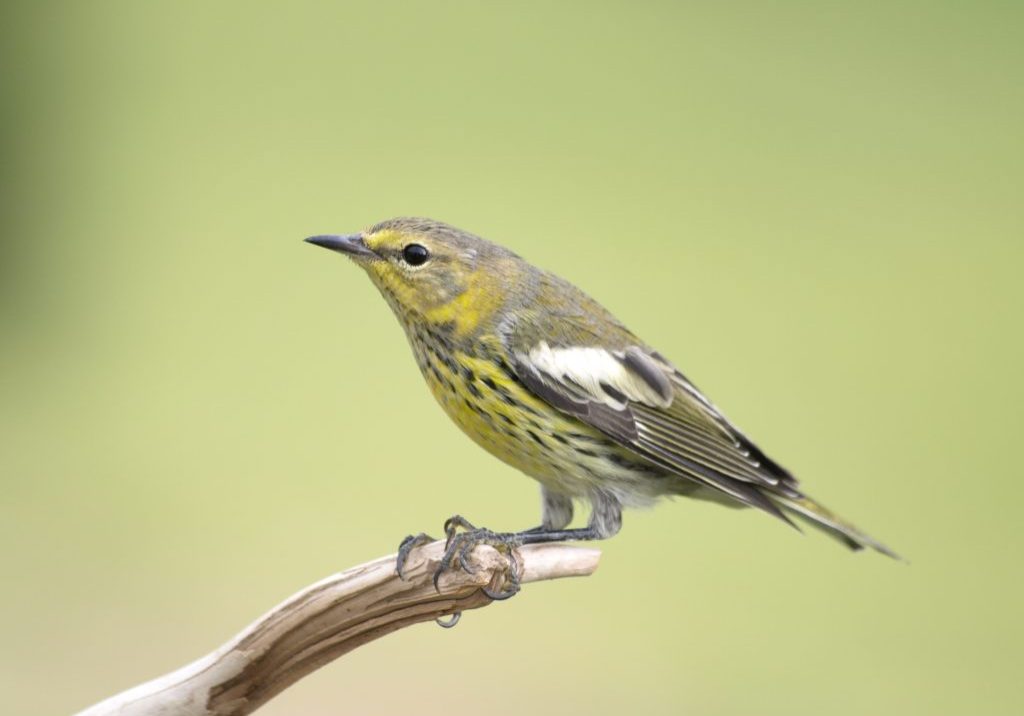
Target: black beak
{"points": [[353, 244]]}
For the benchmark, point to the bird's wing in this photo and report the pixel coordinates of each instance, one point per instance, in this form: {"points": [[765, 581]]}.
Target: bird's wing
{"points": [[639, 399]]}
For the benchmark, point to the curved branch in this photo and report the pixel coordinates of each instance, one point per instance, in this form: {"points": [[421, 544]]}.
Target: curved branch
{"points": [[330, 618]]}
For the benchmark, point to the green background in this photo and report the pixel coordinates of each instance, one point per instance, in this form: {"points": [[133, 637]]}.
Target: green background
{"points": [[813, 208]]}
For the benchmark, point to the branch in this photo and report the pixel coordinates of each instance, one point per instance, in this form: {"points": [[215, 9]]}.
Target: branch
{"points": [[330, 618]]}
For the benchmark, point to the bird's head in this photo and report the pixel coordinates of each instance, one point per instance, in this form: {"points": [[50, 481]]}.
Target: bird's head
{"points": [[430, 271]]}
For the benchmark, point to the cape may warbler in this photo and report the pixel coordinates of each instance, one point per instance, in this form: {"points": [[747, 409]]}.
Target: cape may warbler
{"points": [[543, 377]]}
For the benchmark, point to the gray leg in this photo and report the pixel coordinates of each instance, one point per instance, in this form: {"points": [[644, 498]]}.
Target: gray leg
{"points": [[605, 514], [605, 521], [557, 510]]}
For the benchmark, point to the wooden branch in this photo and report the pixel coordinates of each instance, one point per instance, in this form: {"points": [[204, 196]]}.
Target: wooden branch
{"points": [[330, 618]]}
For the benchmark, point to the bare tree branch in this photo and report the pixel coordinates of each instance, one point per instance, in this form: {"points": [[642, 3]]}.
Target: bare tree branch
{"points": [[330, 618]]}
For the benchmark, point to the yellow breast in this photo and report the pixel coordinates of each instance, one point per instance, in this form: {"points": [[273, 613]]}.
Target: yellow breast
{"points": [[501, 416]]}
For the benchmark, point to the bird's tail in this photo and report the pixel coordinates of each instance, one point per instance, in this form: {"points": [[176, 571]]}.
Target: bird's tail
{"points": [[819, 516]]}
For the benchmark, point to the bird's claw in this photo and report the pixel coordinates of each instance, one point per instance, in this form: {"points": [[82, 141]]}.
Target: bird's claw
{"points": [[513, 579], [452, 526], [460, 544], [452, 620], [405, 549], [461, 538]]}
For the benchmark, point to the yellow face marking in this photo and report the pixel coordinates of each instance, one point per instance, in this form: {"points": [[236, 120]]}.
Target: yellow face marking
{"points": [[383, 239], [465, 297], [476, 303]]}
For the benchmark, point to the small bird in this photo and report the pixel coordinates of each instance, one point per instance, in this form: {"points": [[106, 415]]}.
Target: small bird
{"points": [[544, 378]]}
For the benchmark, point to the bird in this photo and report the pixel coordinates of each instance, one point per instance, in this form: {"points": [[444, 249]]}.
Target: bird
{"points": [[546, 379]]}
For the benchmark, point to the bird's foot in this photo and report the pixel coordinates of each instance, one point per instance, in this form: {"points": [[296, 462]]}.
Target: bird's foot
{"points": [[460, 544], [462, 537], [405, 549]]}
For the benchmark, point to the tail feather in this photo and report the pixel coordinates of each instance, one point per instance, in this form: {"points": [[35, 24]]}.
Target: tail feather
{"points": [[819, 516]]}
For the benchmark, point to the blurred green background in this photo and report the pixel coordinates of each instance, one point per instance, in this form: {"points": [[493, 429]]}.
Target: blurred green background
{"points": [[814, 208]]}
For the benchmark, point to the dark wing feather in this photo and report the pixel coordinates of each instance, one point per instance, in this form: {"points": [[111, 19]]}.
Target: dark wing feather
{"points": [[641, 401]]}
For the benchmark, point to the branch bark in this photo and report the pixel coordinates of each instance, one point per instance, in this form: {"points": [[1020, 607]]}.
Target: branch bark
{"points": [[330, 618]]}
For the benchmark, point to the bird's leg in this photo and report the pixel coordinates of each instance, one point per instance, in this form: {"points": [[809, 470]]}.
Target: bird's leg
{"points": [[461, 544], [540, 535], [556, 510], [605, 521]]}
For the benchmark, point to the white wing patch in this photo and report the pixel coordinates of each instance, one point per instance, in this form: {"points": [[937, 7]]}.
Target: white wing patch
{"points": [[600, 373]]}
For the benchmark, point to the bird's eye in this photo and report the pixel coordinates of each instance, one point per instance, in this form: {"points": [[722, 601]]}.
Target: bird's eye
{"points": [[415, 255]]}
